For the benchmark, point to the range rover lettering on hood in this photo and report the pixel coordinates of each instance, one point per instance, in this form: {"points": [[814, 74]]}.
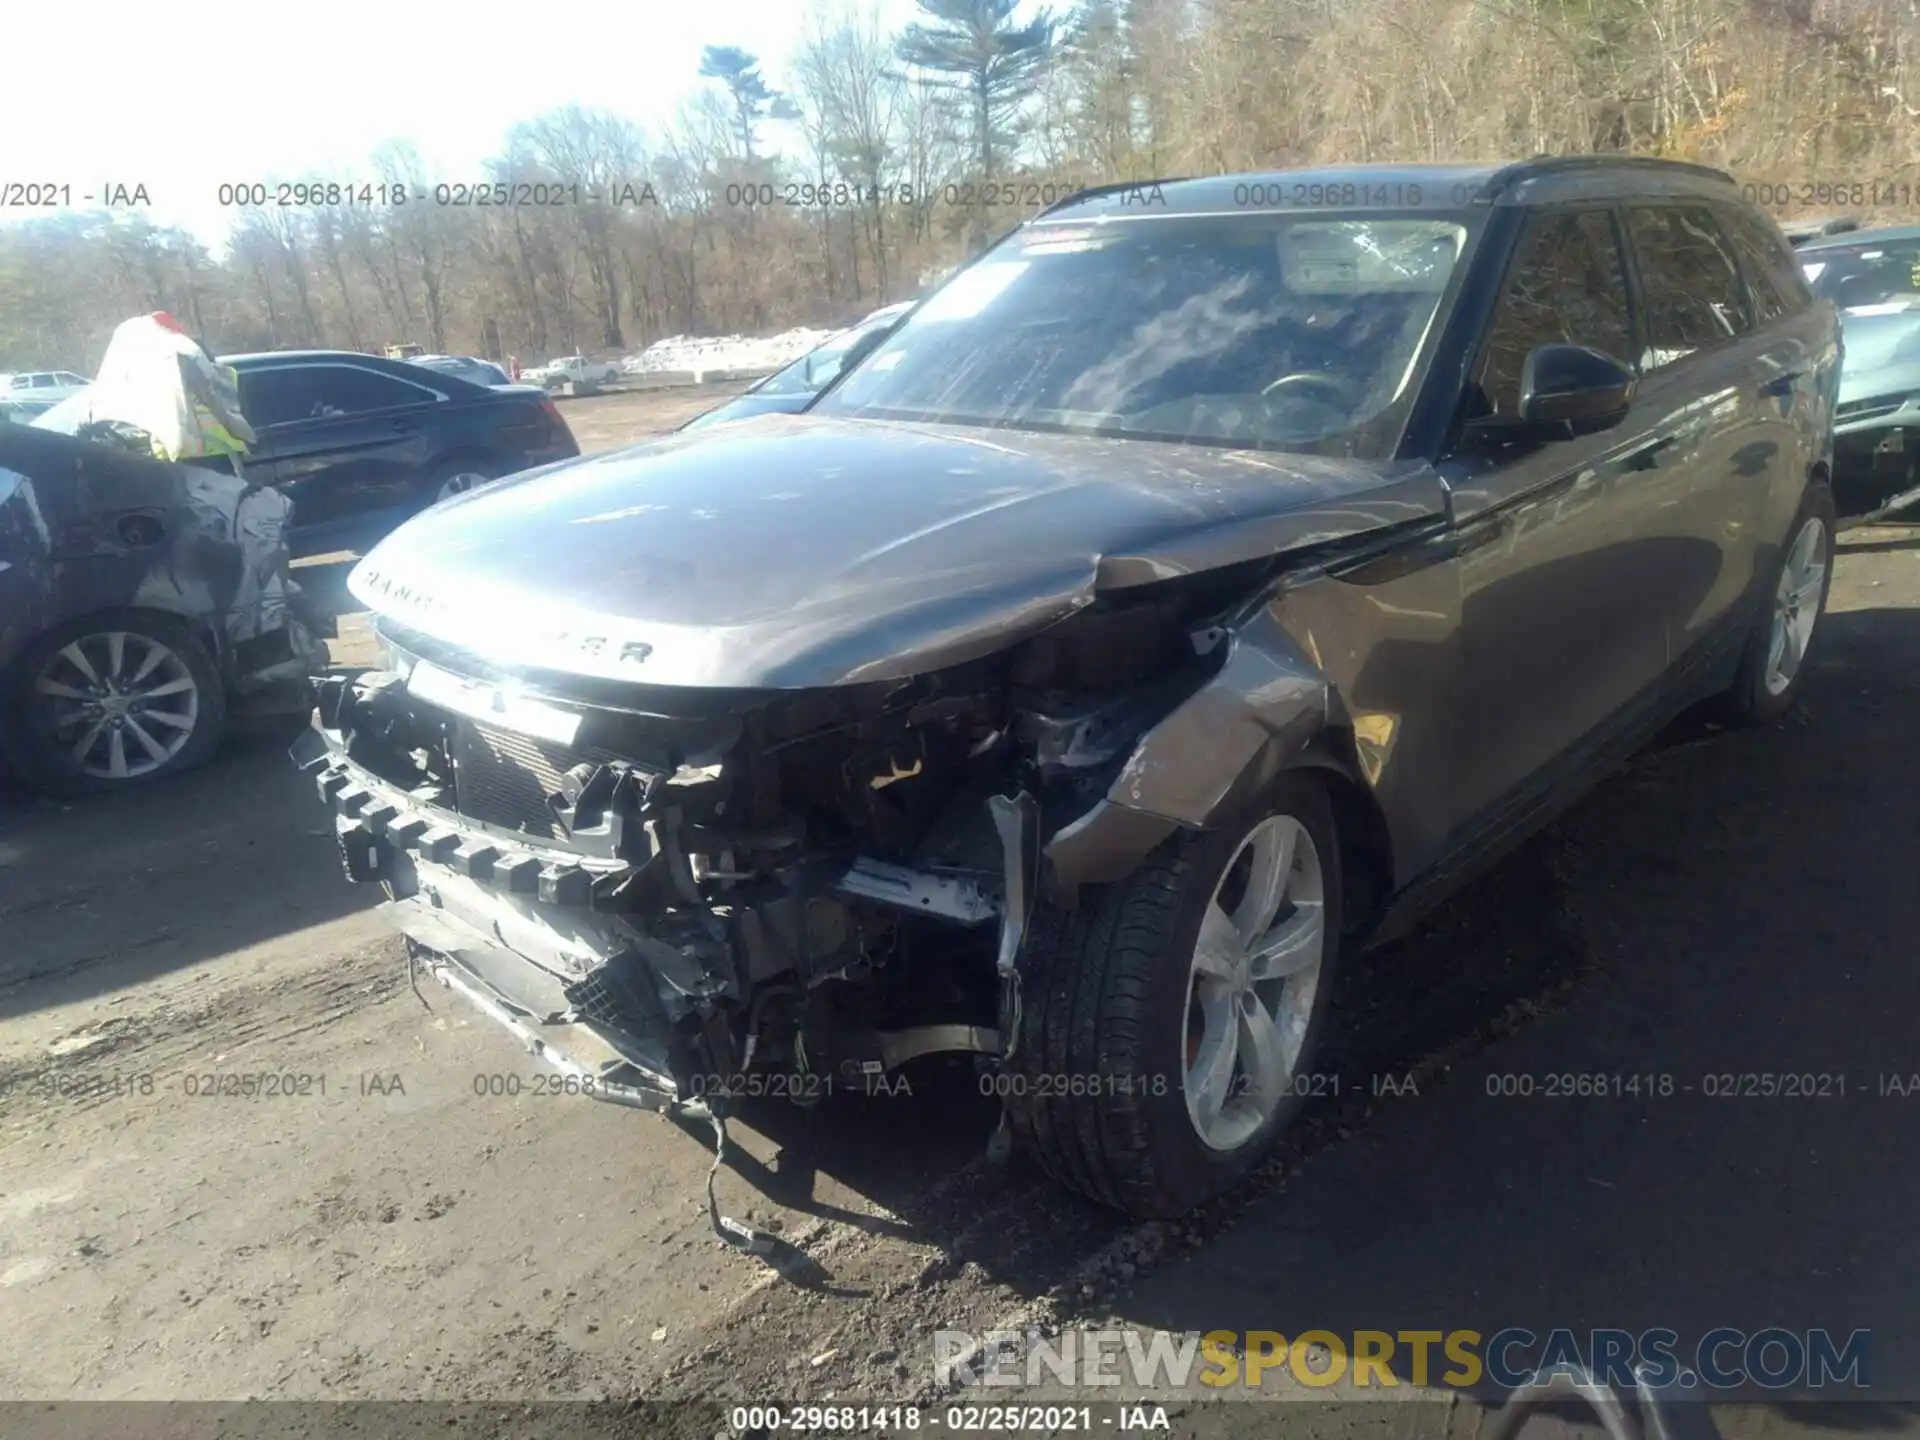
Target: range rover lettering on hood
{"points": [[523, 636]]}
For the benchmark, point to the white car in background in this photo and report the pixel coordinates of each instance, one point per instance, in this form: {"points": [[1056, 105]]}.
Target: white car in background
{"points": [[577, 368], [41, 388]]}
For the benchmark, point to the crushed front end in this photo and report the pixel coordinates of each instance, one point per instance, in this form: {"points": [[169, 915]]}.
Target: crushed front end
{"points": [[667, 891]]}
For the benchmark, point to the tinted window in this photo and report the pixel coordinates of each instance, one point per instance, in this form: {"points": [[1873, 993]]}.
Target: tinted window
{"points": [[1567, 286], [1689, 282], [1773, 276], [1878, 272], [319, 392]]}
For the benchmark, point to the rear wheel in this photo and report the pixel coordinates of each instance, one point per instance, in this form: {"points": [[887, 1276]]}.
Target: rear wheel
{"points": [[1776, 657], [457, 477], [117, 700], [1170, 1024]]}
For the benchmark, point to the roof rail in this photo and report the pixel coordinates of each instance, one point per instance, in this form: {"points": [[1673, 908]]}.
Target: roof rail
{"points": [[1113, 187], [1507, 176]]}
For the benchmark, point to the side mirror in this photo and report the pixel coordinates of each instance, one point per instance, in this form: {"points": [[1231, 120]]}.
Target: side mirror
{"points": [[1575, 385]]}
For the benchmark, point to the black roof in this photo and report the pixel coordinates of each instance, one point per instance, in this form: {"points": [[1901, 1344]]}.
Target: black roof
{"points": [[1397, 187], [278, 357]]}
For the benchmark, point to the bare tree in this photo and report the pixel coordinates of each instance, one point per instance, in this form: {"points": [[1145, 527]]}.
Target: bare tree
{"points": [[994, 62], [1775, 90]]}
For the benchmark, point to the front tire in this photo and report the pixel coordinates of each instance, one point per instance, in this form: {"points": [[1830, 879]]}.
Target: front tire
{"points": [[1775, 663], [1169, 1024], [117, 700]]}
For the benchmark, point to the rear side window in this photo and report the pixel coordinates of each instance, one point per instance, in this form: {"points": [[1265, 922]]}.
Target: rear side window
{"points": [[1690, 283], [1567, 286], [1773, 271], [320, 392]]}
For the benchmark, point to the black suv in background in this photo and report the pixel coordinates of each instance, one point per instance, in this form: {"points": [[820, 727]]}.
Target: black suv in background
{"points": [[359, 443]]}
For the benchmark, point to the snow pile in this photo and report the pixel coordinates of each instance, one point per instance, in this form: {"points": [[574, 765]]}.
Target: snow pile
{"points": [[725, 352]]}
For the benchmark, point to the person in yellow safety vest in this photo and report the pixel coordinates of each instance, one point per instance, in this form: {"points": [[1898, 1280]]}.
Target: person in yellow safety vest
{"points": [[214, 390]]}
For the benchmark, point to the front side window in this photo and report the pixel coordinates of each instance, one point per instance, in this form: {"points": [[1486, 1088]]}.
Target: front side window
{"points": [[1275, 331], [1567, 286], [1689, 281]]}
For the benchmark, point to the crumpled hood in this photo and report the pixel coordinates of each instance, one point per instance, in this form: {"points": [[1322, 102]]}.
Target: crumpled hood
{"points": [[798, 551]]}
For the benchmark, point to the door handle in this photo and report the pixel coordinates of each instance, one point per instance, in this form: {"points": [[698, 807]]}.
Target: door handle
{"points": [[1782, 384]]}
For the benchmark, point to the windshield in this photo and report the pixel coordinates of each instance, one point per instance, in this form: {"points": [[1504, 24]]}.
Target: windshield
{"points": [[1882, 274], [1269, 331]]}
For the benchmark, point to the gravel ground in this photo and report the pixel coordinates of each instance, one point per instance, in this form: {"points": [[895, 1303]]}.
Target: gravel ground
{"points": [[388, 1209]]}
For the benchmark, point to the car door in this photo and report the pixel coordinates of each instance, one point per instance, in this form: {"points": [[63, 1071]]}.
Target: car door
{"points": [[1706, 361], [1798, 360], [346, 444], [1565, 571]]}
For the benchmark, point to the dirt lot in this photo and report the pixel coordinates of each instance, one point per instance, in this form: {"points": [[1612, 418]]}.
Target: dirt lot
{"points": [[387, 1218], [603, 422]]}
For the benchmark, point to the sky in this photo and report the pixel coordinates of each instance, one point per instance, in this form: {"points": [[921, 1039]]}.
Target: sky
{"points": [[287, 89]]}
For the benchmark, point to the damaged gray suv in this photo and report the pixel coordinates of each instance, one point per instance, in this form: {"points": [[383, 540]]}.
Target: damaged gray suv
{"points": [[1193, 588]]}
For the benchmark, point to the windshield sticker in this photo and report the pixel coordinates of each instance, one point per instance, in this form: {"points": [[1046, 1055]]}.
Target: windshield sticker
{"points": [[972, 291]]}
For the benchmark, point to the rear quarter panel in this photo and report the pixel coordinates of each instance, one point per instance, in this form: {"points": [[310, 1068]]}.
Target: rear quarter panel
{"points": [[1817, 333], [512, 429]]}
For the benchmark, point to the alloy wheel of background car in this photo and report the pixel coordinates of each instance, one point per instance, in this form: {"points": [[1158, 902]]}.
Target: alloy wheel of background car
{"points": [[122, 704], [1797, 602], [459, 484], [1254, 979], [113, 700]]}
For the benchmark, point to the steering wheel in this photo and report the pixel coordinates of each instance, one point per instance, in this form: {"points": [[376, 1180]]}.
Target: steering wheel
{"points": [[1343, 391]]}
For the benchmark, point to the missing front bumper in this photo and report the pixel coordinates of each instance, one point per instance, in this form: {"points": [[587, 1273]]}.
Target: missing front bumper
{"points": [[495, 980]]}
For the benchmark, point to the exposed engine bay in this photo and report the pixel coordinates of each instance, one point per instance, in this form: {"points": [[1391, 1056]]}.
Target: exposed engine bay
{"points": [[688, 896]]}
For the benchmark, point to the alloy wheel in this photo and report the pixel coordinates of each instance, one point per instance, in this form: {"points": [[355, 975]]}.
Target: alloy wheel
{"points": [[1255, 972], [460, 484], [1796, 604], [118, 704]]}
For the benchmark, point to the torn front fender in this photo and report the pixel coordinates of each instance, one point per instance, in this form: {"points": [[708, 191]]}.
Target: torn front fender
{"points": [[1265, 704]]}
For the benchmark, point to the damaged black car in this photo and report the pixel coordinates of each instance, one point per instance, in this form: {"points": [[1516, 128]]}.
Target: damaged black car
{"points": [[141, 604], [1185, 596]]}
